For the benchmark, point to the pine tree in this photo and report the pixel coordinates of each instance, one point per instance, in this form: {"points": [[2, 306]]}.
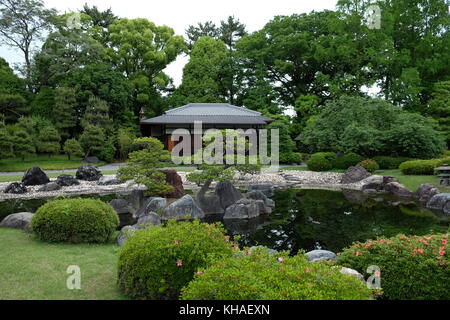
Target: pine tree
{"points": [[73, 148], [92, 140], [49, 139], [22, 144], [97, 115], [64, 113]]}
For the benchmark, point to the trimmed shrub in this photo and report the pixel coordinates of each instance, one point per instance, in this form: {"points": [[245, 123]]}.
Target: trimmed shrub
{"points": [[411, 267], [261, 276], [76, 221], [346, 161], [390, 163], [330, 156], [289, 158], [319, 163], [370, 165], [422, 167], [157, 263]]}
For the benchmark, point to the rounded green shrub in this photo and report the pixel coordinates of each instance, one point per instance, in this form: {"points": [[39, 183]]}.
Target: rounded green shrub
{"points": [[347, 160], [319, 163], [157, 263], [411, 267], [75, 220], [330, 156], [390, 163], [370, 165], [258, 275], [422, 167]]}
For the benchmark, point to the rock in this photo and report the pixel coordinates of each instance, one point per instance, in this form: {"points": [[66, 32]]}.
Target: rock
{"points": [[227, 194], [174, 179], [352, 273], [355, 196], [88, 173], [120, 205], [319, 255], [18, 221], [439, 201], [16, 188], [108, 181], [151, 219], [271, 251], [426, 192], [244, 209], [210, 204], [66, 180], [137, 199], [259, 195], [156, 205], [373, 183], [35, 177], [446, 208], [125, 234], [91, 160], [52, 186], [398, 190], [267, 188], [182, 208], [355, 174]]}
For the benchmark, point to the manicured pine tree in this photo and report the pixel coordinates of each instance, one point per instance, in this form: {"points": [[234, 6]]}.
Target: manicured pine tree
{"points": [[73, 148], [5, 141], [92, 140], [97, 115], [64, 113], [22, 144], [49, 140]]}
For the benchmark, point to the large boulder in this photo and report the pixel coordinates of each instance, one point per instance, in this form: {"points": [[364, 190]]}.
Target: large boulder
{"points": [[125, 234], [352, 273], [154, 204], [210, 204], [227, 194], [137, 199], [373, 183], [355, 174], [244, 209], [259, 195], [66, 180], [88, 173], [52, 186], [174, 179], [397, 189], [108, 181], [120, 205], [319, 255], [16, 188], [426, 192], [18, 221], [149, 220], [182, 208], [439, 201], [266, 188], [35, 177], [91, 160]]}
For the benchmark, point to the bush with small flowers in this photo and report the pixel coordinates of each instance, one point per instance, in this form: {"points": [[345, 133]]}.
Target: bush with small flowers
{"points": [[157, 263], [259, 275], [412, 267], [75, 220]]}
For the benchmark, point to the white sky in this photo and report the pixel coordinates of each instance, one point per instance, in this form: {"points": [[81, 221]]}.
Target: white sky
{"points": [[179, 14]]}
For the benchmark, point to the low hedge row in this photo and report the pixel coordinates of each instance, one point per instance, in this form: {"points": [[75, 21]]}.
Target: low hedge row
{"points": [[422, 167], [390, 163]]}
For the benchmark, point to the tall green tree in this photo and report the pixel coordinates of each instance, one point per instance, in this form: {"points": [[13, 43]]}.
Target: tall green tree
{"points": [[49, 141], [97, 115], [22, 23], [195, 32], [23, 145], [64, 111], [6, 146], [92, 140], [439, 108], [13, 94]]}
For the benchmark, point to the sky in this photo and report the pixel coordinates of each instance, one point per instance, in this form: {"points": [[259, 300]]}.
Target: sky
{"points": [[179, 14]]}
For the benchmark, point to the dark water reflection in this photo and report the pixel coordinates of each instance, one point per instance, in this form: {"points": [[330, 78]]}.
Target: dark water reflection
{"points": [[330, 220]]}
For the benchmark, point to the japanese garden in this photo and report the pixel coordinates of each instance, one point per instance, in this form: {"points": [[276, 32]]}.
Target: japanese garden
{"points": [[305, 160]]}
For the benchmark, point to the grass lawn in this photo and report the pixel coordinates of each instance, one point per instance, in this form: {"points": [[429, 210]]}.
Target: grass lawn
{"points": [[412, 182], [15, 178], [35, 270], [57, 162]]}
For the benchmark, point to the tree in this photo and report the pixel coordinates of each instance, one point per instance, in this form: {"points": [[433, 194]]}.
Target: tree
{"points": [[6, 146], [125, 139], [439, 108], [372, 127], [64, 111], [22, 22], [13, 94], [143, 166], [141, 50], [92, 140], [44, 103], [203, 75], [97, 115], [49, 139], [207, 29], [23, 145], [72, 148]]}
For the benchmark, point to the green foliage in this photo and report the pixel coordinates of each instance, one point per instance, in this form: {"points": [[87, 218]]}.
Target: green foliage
{"points": [[64, 111], [261, 276], [440, 108], [422, 167], [75, 221], [143, 166], [318, 162], [390, 163], [125, 138], [411, 267], [370, 165], [13, 95], [72, 148], [49, 139], [157, 263], [92, 140], [23, 144], [108, 151], [97, 115], [347, 160], [372, 127], [6, 146], [44, 103]]}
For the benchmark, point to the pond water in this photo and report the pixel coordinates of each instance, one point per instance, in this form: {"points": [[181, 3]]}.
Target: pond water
{"points": [[331, 220]]}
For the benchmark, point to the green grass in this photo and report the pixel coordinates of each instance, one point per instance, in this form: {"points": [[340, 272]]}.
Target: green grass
{"points": [[412, 182], [15, 178], [35, 270], [57, 162]]}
